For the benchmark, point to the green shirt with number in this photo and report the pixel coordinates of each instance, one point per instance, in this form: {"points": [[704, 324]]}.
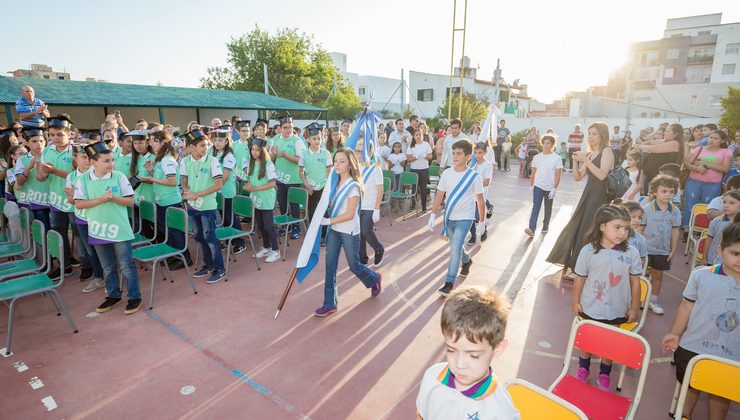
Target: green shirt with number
{"points": [[166, 195], [36, 192], [314, 167], [200, 175], [264, 199], [106, 221], [144, 191], [61, 160], [287, 171]]}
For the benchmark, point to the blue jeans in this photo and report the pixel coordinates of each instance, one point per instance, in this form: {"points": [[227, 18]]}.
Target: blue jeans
{"points": [[367, 235], [93, 259], [60, 222], [351, 243], [538, 196], [456, 231], [42, 215], [698, 192], [114, 257], [204, 229], [176, 238], [474, 225]]}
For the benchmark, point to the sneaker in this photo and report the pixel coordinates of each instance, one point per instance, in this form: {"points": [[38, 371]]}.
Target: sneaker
{"points": [[273, 256], [262, 253], [175, 264], [216, 276], [605, 382], [295, 233], [489, 213], [132, 306], [484, 236], [378, 286], [582, 374], [107, 305], [364, 261], [94, 285], [55, 273], [281, 232], [204, 271], [378, 259], [323, 242], [74, 262], [529, 232], [446, 289], [238, 249], [471, 241], [466, 268], [324, 311], [656, 308], [86, 273]]}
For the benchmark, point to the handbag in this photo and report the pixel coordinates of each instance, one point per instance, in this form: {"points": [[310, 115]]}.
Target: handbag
{"points": [[618, 182], [685, 172]]}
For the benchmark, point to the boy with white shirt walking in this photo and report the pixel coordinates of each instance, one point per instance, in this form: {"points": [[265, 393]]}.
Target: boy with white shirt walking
{"points": [[545, 178], [462, 189]]}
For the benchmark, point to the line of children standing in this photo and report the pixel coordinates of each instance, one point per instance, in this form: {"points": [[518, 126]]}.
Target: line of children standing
{"points": [[223, 151], [261, 186]]}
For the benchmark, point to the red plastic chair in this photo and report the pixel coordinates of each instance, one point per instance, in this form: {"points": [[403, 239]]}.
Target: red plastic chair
{"points": [[697, 252], [698, 225], [615, 344]]}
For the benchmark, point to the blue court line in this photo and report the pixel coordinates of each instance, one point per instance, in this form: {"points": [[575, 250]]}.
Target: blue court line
{"points": [[234, 372]]}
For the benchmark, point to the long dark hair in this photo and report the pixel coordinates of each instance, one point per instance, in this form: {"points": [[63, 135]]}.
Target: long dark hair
{"points": [[677, 130], [606, 214], [135, 155], [330, 146], [165, 145], [262, 160], [227, 149]]}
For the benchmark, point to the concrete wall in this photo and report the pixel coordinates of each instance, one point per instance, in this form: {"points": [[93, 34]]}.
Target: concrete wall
{"points": [[563, 126]]}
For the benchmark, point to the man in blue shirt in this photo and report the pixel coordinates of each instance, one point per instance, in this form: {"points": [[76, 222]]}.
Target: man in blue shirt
{"points": [[31, 110]]}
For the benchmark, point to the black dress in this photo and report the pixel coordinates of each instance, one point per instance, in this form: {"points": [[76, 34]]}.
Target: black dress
{"points": [[573, 237], [651, 164]]}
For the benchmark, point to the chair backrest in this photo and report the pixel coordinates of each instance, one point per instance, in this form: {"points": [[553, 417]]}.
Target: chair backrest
{"points": [[177, 219], [714, 375], [148, 211], [38, 232], [701, 220], [219, 201], [535, 403], [54, 249], [387, 173], [701, 247], [621, 346], [409, 179], [386, 184], [434, 170], [244, 207], [298, 196], [699, 208], [645, 289]]}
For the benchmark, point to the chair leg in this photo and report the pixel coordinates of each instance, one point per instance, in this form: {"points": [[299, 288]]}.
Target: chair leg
{"points": [[228, 258], [187, 270], [66, 312], [154, 274], [59, 312], [285, 245], [674, 400], [254, 252], [9, 340], [621, 378], [167, 273]]}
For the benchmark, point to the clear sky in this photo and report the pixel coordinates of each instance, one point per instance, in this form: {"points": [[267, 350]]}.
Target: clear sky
{"points": [[553, 46]]}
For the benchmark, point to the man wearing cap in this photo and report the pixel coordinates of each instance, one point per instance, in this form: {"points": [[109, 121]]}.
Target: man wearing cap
{"points": [[56, 164], [285, 152], [31, 110]]}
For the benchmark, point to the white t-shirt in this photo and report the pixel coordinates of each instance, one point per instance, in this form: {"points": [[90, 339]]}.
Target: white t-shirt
{"points": [[446, 159], [485, 170], [438, 401], [465, 207], [546, 165], [404, 138], [384, 151], [395, 159], [420, 152], [371, 189], [351, 226]]}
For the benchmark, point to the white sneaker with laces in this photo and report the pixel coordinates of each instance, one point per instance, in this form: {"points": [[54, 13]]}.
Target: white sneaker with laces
{"points": [[94, 285], [262, 252], [656, 308], [273, 256]]}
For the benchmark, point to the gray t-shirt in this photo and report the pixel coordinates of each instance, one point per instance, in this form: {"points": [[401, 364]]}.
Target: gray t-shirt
{"points": [[716, 204], [716, 226], [713, 323], [658, 227], [607, 293], [639, 243]]}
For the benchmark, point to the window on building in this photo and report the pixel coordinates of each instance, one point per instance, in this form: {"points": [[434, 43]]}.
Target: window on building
{"points": [[733, 48], [361, 91], [46, 76], [694, 101], [672, 54], [455, 90], [425, 95], [716, 101], [728, 69], [61, 78], [669, 73], [649, 58]]}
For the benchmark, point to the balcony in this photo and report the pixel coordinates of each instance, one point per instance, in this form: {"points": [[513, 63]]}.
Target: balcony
{"points": [[701, 59]]}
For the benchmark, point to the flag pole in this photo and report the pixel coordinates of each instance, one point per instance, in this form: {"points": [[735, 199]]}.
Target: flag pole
{"points": [[285, 293]]}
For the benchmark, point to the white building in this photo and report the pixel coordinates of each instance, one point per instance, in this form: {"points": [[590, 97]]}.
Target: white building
{"points": [[374, 90], [689, 69]]}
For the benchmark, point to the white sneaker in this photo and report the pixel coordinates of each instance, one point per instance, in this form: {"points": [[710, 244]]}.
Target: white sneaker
{"points": [[273, 256], [94, 285], [656, 308], [262, 253]]}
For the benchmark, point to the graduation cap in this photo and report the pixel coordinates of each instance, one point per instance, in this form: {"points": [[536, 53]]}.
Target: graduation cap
{"points": [[7, 133], [62, 121], [285, 119], [221, 132], [244, 123], [259, 142], [31, 132], [192, 137], [263, 121], [137, 134], [313, 129], [93, 149]]}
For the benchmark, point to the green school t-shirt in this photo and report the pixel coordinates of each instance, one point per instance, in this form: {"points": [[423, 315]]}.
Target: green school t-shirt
{"points": [[228, 189], [121, 162], [287, 171], [62, 161], [200, 175], [144, 191], [314, 166], [265, 199], [36, 192], [241, 154], [72, 182], [107, 221], [165, 195]]}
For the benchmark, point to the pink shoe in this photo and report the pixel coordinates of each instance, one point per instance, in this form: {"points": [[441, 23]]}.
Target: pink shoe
{"points": [[605, 382], [582, 374]]}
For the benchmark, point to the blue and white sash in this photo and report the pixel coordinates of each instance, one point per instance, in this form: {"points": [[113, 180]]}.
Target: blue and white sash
{"points": [[457, 193], [342, 195], [367, 172]]}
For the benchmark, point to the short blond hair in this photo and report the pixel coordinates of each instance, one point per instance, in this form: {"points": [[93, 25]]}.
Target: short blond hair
{"points": [[477, 313]]}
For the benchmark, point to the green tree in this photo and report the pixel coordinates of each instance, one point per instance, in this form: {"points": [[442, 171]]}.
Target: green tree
{"points": [[473, 109], [730, 116], [298, 69]]}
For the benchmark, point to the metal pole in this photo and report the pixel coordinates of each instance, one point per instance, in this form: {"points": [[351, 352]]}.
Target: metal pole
{"points": [[631, 88], [452, 60], [402, 94], [462, 60], [285, 292], [267, 91]]}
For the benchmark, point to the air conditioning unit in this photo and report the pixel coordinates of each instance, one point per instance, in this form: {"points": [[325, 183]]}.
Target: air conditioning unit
{"points": [[644, 115], [656, 114]]}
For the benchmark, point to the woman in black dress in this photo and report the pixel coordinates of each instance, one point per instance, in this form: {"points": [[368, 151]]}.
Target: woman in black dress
{"points": [[595, 166]]}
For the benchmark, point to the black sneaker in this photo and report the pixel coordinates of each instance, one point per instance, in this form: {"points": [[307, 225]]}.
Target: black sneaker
{"points": [[446, 289], [132, 306], [175, 264], [54, 274], [364, 261], [86, 273], [484, 236], [471, 241], [466, 268], [238, 249], [107, 305], [74, 262], [489, 213], [378, 259]]}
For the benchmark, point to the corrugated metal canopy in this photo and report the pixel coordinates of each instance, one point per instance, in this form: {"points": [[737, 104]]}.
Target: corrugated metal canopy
{"points": [[71, 92]]}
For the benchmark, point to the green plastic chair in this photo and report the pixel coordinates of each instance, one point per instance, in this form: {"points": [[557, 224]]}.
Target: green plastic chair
{"points": [[29, 265], [387, 198], [243, 207], [387, 173], [409, 181], [295, 196], [147, 212], [24, 246], [220, 209], [158, 253], [14, 289]]}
